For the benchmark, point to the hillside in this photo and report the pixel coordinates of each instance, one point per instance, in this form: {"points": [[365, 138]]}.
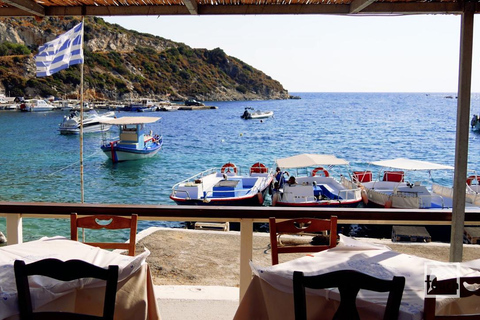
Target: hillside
{"points": [[122, 64]]}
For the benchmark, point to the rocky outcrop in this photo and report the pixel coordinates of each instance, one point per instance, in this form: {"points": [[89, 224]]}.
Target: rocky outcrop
{"points": [[121, 64]]}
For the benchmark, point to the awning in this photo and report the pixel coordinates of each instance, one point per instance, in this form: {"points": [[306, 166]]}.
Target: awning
{"points": [[412, 165], [131, 120], [310, 160]]}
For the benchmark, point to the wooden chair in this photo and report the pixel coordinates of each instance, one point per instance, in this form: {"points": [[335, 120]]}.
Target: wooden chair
{"points": [[348, 282], [64, 271], [301, 226], [106, 222], [430, 303]]}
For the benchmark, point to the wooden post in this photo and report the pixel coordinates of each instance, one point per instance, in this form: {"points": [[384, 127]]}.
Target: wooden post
{"points": [[246, 247], [14, 229], [463, 127]]}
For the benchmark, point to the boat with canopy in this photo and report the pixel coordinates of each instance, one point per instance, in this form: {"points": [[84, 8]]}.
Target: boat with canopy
{"points": [[313, 185], [135, 142], [391, 190]]}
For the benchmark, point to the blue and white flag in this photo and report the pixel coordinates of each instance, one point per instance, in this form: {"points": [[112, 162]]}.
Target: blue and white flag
{"points": [[60, 53]]}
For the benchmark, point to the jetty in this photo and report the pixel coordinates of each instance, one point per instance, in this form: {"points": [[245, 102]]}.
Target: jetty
{"points": [[184, 107]]}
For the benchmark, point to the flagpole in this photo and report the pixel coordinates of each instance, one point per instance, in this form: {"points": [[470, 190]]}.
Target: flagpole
{"points": [[81, 122]]}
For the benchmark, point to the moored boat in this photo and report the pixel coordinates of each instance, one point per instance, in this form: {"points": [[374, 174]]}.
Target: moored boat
{"points": [[134, 143], [314, 187], [472, 192], [36, 105], [391, 190], [251, 113], [224, 186], [91, 122]]}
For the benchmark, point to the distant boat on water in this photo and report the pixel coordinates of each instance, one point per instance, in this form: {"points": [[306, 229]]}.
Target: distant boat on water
{"points": [[91, 122], [134, 143], [36, 105], [251, 113]]}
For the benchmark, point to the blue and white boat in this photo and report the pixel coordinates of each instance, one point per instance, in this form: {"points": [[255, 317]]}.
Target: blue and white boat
{"points": [[225, 186], [134, 143], [315, 188]]}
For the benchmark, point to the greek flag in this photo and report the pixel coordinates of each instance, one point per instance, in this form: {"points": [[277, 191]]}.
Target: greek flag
{"points": [[60, 53]]}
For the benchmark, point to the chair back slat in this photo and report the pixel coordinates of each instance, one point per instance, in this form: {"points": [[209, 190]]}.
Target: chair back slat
{"points": [[64, 271], [349, 283], [301, 226], [109, 222]]}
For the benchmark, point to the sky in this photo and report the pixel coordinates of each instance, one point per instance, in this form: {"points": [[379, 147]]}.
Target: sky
{"points": [[320, 53]]}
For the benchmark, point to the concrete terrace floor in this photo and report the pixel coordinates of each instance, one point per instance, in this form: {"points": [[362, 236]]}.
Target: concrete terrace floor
{"points": [[197, 302], [179, 302]]}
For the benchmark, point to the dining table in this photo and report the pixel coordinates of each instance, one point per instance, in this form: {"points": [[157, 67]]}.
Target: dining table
{"points": [[270, 293], [135, 297]]}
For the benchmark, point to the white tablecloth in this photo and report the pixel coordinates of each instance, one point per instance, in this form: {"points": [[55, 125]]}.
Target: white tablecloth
{"points": [[133, 274], [272, 293]]}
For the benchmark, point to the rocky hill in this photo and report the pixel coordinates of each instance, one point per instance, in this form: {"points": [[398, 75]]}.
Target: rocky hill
{"points": [[122, 64]]}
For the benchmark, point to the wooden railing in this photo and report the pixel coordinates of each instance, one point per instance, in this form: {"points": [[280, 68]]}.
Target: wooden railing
{"points": [[245, 215]]}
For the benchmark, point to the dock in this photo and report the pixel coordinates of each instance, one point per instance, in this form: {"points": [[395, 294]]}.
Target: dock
{"points": [[472, 234], [197, 107], [410, 234]]}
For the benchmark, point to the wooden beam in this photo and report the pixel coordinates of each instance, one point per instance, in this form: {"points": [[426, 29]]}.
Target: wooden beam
{"points": [[191, 6], [156, 10], [463, 127], [116, 10], [28, 6], [358, 5]]}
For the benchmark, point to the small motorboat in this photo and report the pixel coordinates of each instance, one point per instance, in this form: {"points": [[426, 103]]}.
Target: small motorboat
{"points": [[224, 186], [391, 190], [36, 105], [314, 187], [251, 113], [134, 143], [91, 122]]}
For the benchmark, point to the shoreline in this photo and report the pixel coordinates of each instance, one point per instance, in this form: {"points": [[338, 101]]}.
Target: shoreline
{"points": [[212, 258]]}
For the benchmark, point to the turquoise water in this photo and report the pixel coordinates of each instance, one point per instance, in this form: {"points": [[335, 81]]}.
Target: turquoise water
{"points": [[38, 164]]}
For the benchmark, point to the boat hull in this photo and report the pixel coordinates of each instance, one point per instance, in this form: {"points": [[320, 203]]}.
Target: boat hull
{"points": [[328, 203], [118, 153], [86, 129], [254, 200]]}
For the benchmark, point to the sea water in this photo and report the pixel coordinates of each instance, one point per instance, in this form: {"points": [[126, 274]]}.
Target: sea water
{"points": [[39, 164]]}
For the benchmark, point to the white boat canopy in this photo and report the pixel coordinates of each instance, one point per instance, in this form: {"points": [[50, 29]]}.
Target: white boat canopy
{"points": [[412, 165], [310, 160], [131, 120]]}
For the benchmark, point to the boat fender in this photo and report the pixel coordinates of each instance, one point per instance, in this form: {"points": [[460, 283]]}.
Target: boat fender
{"points": [[325, 172], [364, 196], [113, 153], [388, 203], [260, 198], [228, 166]]}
